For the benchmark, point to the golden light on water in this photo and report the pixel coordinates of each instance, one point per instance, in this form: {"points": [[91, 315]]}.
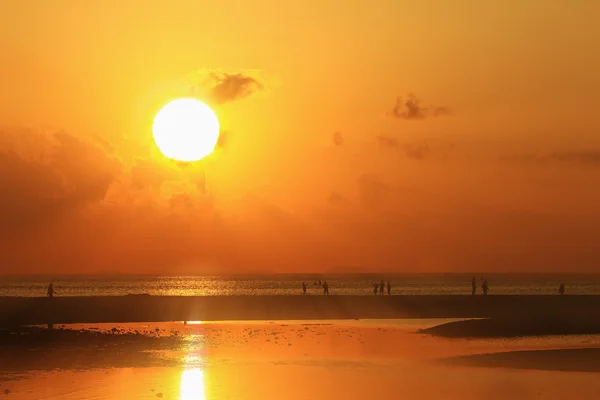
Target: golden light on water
{"points": [[192, 385]]}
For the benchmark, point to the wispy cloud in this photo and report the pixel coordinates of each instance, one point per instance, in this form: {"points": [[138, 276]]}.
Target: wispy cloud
{"points": [[225, 86], [417, 151], [338, 139], [386, 141], [586, 157], [412, 109], [576, 157]]}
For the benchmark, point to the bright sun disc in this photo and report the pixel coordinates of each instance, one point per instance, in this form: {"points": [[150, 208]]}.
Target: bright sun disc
{"points": [[186, 130]]}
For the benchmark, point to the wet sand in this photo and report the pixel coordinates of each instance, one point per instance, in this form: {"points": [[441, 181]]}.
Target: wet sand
{"points": [[293, 360], [517, 327], [142, 308]]}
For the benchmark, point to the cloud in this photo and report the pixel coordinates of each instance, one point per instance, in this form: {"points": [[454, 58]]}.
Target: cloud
{"points": [[223, 139], [68, 175], [440, 111], [338, 139], [223, 87], [385, 141], [417, 151], [577, 157], [373, 193], [148, 174], [411, 109], [69, 206], [586, 157], [336, 200]]}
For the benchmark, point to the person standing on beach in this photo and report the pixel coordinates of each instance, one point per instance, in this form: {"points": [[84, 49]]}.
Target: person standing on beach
{"points": [[303, 287], [51, 291], [375, 288], [473, 286], [325, 288], [484, 287], [561, 289], [389, 288], [381, 287]]}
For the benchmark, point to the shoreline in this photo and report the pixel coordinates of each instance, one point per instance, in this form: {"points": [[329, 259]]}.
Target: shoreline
{"points": [[145, 308]]}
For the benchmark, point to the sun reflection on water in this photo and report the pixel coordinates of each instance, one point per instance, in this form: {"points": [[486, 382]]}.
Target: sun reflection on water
{"points": [[192, 385]]}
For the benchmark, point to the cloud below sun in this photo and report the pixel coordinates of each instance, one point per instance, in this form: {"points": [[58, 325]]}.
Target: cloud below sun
{"points": [[70, 201]]}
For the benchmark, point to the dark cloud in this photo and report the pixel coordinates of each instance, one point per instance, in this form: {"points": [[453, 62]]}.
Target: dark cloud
{"points": [[335, 199], [338, 139], [373, 193], [587, 157], [72, 174], [412, 109], [223, 87], [230, 87], [386, 141], [583, 157], [440, 111], [417, 151]]}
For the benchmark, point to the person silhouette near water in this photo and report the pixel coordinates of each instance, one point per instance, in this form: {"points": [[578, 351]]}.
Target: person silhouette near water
{"points": [[561, 289], [325, 288], [303, 287], [389, 288], [473, 286], [375, 288], [484, 287], [381, 287], [51, 291]]}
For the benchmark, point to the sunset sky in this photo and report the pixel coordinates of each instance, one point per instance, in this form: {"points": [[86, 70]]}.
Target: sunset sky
{"points": [[490, 161]]}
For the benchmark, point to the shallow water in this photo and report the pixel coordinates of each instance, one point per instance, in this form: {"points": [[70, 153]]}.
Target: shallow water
{"points": [[303, 360]]}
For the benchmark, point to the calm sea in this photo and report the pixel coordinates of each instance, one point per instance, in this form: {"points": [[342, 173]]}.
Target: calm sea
{"points": [[422, 284]]}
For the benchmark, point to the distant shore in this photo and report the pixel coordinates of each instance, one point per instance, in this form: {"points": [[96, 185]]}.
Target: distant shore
{"points": [[141, 308], [517, 326]]}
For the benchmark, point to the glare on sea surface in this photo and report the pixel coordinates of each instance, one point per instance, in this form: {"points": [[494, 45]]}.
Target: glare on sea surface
{"points": [[192, 385]]}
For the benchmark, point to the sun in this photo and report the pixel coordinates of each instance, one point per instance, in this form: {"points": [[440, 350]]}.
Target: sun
{"points": [[186, 130]]}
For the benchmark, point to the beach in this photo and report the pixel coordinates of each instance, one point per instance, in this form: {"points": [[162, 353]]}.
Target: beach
{"points": [[299, 347], [143, 308], [310, 359]]}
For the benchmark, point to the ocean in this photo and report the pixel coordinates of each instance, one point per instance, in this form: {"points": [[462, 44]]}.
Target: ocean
{"points": [[290, 284]]}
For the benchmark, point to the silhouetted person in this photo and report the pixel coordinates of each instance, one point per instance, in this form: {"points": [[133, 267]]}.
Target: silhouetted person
{"points": [[389, 288], [381, 287], [561, 289], [319, 282], [485, 287], [325, 288], [375, 288], [303, 287], [473, 286], [51, 291]]}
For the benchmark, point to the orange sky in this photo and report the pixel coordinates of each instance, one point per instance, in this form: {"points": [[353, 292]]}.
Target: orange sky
{"points": [[496, 169]]}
